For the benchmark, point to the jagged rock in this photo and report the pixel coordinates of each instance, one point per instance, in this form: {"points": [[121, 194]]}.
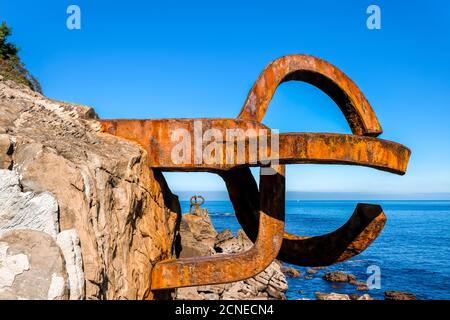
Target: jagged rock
{"points": [[365, 297], [69, 243], [269, 284], [26, 210], [291, 272], [224, 236], [235, 244], [198, 235], [399, 295], [31, 266], [311, 271], [189, 293], [6, 150], [124, 213], [332, 296], [338, 276], [362, 287]]}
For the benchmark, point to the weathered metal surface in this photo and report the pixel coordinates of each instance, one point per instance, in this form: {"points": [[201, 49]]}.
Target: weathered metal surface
{"points": [[195, 204], [325, 76], [294, 148], [352, 238], [261, 212], [233, 267]]}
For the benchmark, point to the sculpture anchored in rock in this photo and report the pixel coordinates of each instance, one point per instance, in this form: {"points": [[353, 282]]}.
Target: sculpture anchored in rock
{"points": [[260, 211], [195, 204]]}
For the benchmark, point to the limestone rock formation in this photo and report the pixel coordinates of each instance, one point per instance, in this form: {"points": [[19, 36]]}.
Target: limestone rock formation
{"points": [[100, 186], [198, 235], [198, 232], [69, 242], [31, 266], [26, 210]]}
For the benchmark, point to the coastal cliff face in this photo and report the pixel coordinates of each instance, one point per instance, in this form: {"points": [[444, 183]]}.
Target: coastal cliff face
{"points": [[88, 195]]}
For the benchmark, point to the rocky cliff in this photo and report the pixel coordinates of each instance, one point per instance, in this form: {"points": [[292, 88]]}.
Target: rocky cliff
{"points": [[88, 197]]}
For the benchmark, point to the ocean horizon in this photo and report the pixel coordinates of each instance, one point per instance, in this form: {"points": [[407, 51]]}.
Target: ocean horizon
{"points": [[411, 252]]}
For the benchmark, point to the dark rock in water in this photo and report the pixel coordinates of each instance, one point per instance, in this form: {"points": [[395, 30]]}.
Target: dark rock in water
{"points": [[291, 272], [338, 276], [399, 295], [353, 296], [311, 271], [365, 296], [362, 287]]}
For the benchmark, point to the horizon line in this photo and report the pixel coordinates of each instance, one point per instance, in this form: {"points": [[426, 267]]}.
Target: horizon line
{"points": [[331, 196]]}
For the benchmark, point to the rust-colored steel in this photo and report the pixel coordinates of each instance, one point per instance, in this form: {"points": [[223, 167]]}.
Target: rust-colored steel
{"points": [[294, 148], [233, 267], [261, 212], [325, 76], [195, 204], [352, 238]]}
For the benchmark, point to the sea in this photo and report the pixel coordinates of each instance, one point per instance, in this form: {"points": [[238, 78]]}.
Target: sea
{"points": [[411, 254]]}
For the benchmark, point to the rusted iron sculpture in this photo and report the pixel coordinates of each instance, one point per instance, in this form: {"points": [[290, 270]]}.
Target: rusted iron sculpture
{"points": [[260, 211], [195, 204]]}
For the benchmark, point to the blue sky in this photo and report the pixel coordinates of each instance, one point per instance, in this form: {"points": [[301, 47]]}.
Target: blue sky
{"points": [[145, 59]]}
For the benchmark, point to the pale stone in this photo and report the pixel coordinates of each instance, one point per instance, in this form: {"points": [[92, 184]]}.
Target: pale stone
{"points": [[332, 296], [26, 210], [57, 286], [10, 266], [32, 266], [69, 243]]}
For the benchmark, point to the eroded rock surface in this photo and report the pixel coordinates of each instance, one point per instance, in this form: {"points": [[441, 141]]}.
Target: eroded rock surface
{"points": [[124, 214], [69, 242], [26, 210], [339, 276], [399, 295], [31, 266]]}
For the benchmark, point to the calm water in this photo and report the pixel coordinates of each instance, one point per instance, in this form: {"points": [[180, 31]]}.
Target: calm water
{"points": [[413, 251]]}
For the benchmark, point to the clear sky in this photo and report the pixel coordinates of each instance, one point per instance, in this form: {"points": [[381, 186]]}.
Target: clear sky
{"points": [[145, 59]]}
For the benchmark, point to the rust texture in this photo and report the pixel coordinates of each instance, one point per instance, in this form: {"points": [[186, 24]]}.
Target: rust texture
{"points": [[195, 204], [233, 267], [260, 211]]}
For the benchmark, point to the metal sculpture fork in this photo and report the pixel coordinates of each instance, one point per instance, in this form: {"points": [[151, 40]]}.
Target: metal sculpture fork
{"points": [[261, 211]]}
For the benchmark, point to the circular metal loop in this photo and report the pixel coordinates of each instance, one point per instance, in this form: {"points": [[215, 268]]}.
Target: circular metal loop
{"points": [[368, 220], [325, 76], [193, 200]]}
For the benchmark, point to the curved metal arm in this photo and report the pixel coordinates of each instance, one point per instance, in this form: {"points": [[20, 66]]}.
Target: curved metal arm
{"points": [[233, 267], [352, 238], [325, 76], [362, 228]]}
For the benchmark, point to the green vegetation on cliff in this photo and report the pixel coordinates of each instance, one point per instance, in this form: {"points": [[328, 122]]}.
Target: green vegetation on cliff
{"points": [[10, 65]]}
